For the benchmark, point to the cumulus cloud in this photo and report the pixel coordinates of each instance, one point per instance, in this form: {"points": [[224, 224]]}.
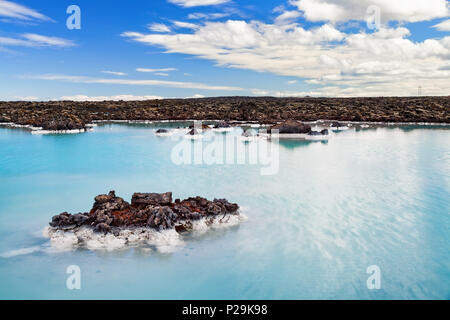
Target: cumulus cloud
{"points": [[197, 3], [443, 26], [287, 17], [384, 62], [13, 10], [398, 10], [160, 83], [35, 40]]}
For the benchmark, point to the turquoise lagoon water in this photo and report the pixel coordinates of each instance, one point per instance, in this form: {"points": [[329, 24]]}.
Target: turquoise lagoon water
{"points": [[371, 197]]}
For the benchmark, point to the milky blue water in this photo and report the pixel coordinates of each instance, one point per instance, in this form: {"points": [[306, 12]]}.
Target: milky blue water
{"points": [[369, 197]]}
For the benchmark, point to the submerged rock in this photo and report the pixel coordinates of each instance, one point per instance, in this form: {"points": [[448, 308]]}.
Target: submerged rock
{"points": [[324, 132], [318, 135], [156, 211], [163, 133]]}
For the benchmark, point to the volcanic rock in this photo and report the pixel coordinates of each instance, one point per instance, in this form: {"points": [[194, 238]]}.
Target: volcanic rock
{"points": [[151, 210], [291, 127], [222, 125], [145, 199], [64, 115], [324, 132]]}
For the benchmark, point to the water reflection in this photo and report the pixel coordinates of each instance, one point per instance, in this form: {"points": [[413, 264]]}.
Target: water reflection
{"points": [[293, 144]]}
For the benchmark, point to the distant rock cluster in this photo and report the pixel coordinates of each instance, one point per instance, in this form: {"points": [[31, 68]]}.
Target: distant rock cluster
{"points": [[111, 214], [69, 115], [290, 127]]}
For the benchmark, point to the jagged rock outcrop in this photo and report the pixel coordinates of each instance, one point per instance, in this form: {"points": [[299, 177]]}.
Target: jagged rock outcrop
{"points": [[290, 127], [110, 213]]}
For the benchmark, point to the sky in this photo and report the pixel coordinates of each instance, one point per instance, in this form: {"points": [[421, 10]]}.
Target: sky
{"points": [[150, 49]]}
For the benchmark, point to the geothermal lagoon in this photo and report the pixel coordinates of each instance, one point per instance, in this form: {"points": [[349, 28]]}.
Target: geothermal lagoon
{"points": [[314, 216]]}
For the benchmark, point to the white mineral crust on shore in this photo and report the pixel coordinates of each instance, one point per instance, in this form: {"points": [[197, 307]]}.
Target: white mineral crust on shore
{"points": [[165, 241]]}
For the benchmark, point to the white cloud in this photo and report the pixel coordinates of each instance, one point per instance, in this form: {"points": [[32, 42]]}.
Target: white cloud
{"points": [[196, 96], [259, 92], [159, 27], [84, 98], [398, 10], [292, 82], [161, 74], [155, 70], [443, 26], [385, 62], [160, 83], [207, 16], [115, 73], [185, 25], [48, 41], [197, 3], [124, 97], [13, 10], [287, 17], [234, 34], [279, 8], [36, 40]]}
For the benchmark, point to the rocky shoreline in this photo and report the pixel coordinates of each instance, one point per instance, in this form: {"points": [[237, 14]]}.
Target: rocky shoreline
{"points": [[69, 116]]}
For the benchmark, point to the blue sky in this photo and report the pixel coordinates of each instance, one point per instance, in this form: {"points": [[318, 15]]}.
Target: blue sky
{"points": [[193, 48]]}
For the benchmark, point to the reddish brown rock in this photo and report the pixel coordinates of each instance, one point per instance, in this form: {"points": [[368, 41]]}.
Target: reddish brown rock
{"points": [[151, 210]]}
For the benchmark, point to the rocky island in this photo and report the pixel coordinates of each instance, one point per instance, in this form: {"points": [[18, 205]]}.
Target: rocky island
{"points": [[113, 222], [111, 213], [70, 115]]}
